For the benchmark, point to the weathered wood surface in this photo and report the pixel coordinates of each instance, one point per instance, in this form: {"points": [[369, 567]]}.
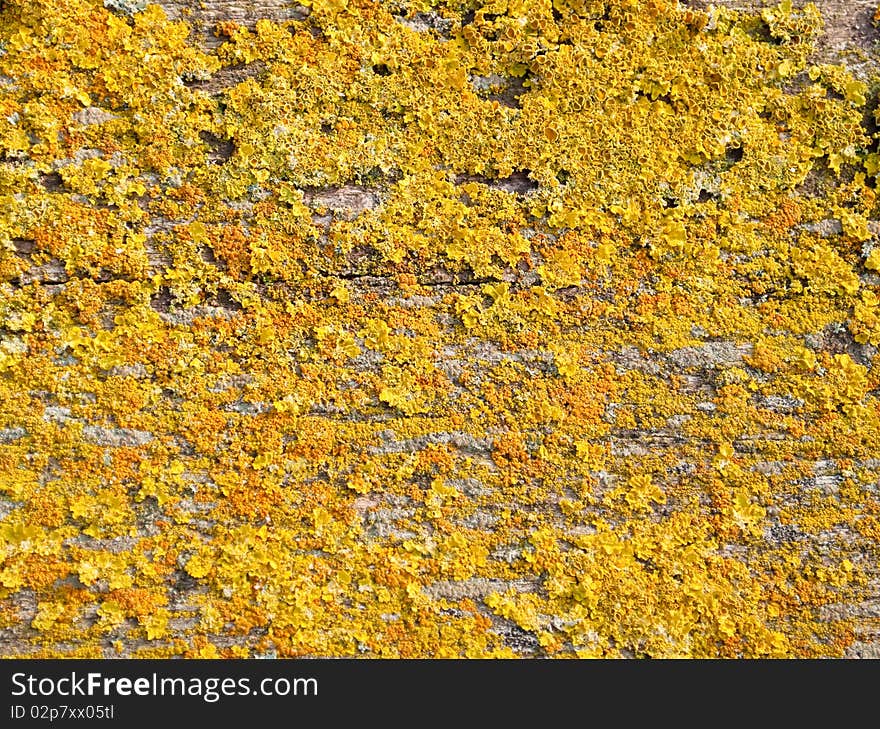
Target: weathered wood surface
{"points": [[849, 38]]}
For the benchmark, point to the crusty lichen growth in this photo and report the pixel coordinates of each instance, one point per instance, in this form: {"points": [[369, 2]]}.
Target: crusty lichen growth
{"points": [[535, 329]]}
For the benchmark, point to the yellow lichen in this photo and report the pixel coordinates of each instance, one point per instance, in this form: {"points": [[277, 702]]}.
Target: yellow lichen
{"points": [[393, 339]]}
